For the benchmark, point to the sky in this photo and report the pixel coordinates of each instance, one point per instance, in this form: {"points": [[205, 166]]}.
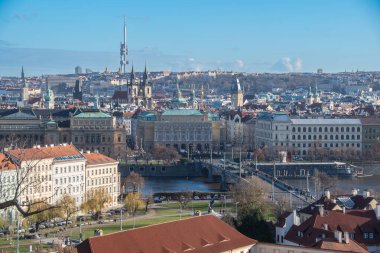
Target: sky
{"points": [[50, 37]]}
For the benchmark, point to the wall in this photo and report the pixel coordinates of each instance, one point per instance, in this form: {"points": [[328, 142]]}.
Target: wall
{"points": [[189, 170]]}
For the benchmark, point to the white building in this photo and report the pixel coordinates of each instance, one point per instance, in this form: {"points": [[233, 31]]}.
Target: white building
{"points": [[328, 134], [307, 136], [68, 168], [8, 182], [102, 173]]}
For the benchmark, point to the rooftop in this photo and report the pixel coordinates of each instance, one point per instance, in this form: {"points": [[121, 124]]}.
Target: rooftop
{"points": [[97, 158], [62, 152], [92, 115], [308, 121], [204, 234], [182, 112]]}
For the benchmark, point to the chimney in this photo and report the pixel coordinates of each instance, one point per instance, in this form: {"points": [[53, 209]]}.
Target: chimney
{"points": [[52, 145], [338, 236], [365, 194], [38, 146], [377, 211], [327, 194], [354, 192], [321, 210], [343, 209], [325, 226], [333, 200], [88, 151], [346, 237]]}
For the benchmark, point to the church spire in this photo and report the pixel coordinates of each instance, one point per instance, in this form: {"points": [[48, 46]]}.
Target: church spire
{"points": [[145, 75], [132, 74], [23, 78]]}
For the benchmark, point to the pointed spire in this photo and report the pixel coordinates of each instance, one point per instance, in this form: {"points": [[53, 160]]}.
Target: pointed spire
{"points": [[145, 75], [132, 74], [23, 78]]}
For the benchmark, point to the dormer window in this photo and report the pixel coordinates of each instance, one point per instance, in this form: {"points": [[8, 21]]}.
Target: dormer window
{"points": [[370, 235], [300, 234], [365, 235]]}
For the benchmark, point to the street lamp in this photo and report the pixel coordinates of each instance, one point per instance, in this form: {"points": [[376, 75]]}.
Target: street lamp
{"points": [[236, 204]]}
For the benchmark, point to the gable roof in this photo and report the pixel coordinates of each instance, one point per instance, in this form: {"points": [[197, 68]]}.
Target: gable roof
{"points": [[353, 221], [57, 152], [204, 234], [352, 246], [97, 158]]}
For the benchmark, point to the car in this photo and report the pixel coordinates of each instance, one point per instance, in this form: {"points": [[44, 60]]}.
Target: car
{"points": [[32, 236], [20, 231], [2, 234], [42, 226]]}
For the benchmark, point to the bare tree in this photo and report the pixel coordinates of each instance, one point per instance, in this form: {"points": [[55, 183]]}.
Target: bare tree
{"points": [[134, 181], [24, 178]]}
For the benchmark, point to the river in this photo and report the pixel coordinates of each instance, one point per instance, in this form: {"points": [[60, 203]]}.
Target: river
{"points": [[173, 184], [345, 185]]}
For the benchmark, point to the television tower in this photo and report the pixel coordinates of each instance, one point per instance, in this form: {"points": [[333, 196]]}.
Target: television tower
{"points": [[124, 50]]}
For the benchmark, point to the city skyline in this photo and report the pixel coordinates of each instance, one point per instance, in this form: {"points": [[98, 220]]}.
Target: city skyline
{"points": [[291, 36]]}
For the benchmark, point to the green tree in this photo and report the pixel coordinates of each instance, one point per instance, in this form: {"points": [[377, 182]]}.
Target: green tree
{"points": [[251, 222], [133, 202], [96, 201], [68, 206]]}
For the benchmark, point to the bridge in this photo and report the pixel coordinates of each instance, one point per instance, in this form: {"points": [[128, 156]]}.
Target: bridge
{"points": [[233, 175]]}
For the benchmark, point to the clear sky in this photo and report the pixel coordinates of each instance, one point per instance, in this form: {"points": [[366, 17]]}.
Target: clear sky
{"points": [[241, 35]]}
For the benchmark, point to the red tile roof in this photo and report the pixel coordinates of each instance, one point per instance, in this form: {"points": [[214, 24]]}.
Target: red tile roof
{"points": [[353, 221], [44, 152], [96, 158], [204, 234], [352, 246], [5, 163]]}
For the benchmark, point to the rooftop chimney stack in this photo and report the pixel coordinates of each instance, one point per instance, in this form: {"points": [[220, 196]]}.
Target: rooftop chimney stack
{"points": [[327, 194], [354, 192], [343, 209], [377, 211], [346, 237], [321, 210], [365, 194], [338, 236]]}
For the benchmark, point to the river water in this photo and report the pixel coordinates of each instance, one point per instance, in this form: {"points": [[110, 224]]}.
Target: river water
{"points": [[345, 185], [173, 184], [342, 185]]}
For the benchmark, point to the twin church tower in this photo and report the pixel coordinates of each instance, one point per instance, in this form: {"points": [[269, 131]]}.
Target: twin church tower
{"points": [[139, 91]]}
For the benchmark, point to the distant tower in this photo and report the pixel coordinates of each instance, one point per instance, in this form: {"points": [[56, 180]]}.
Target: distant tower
{"points": [[124, 51], [236, 95], [201, 106], [24, 88], [78, 93], [78, 70]]}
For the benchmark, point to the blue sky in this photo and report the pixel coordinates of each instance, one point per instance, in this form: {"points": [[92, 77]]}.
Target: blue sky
{"points": [[242, 35]]}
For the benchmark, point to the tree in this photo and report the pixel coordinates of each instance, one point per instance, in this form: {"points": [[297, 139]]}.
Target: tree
{"points": [[251, 222], [147, 157], [68, 206], [148, 200], [96, 201], [183, 198], [254, 206], [168, 154], [39, 217], [134, 180], [24, 166], [133, 202]]}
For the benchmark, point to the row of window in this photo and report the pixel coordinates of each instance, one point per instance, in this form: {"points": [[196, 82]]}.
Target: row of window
{"points": [[326, 145], [102, 171], [98, 181], [325, 137], [68, 169], [326, 129], [69, 180]]}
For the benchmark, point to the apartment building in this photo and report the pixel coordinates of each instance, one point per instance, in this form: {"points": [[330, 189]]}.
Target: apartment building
{"points": [[102, 173], [306, 136]]}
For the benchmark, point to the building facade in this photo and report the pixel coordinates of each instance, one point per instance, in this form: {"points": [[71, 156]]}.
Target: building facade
{"points": [[102, 173], [308, 136]]}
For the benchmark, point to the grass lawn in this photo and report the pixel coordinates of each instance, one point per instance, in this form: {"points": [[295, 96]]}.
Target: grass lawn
{"points": [[197, 205], [128, 224]]}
